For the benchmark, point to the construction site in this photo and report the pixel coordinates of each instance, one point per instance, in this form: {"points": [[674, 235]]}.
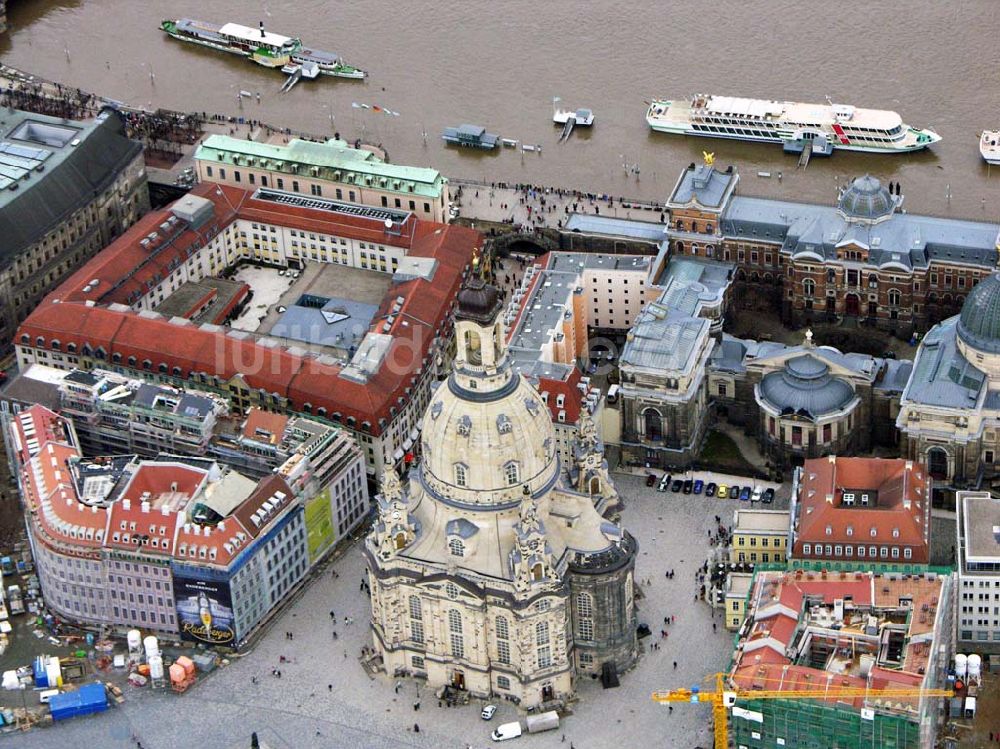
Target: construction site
{"points": [[838, 660]]}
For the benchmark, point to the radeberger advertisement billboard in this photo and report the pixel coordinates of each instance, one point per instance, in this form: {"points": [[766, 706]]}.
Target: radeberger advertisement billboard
{"points": [[205, 611]]}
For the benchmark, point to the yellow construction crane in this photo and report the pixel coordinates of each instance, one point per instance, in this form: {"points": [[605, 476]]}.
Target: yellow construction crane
{"points": [[722, 699]]}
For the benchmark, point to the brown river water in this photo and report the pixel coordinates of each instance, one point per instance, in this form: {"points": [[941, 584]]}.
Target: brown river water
{"points": [[499, 64]]}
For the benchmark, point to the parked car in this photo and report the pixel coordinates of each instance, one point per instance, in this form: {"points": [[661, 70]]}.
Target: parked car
{"points": [[650, 479], [698, 486], [688, 486], [664, 483], [282, 309], [488, 712], [745, 493], [758, 494], [710, 490], [723, 491], [281, 272], [734, 491], [677, 486], [768, 496], [507, 731]]}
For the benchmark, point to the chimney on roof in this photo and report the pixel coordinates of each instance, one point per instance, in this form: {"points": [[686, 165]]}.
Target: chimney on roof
{"points": [[126, 504], [829, 499], [832, 459], [145, 507], [261, 29], [996, 533]]}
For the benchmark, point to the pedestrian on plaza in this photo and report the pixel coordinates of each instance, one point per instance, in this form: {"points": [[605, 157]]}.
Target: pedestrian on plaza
{"points": [[416, 728], [416, 706], [675, 665], [714, 629], [329, 687]]}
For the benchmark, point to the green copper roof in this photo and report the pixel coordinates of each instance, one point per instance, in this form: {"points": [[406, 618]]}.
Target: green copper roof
{"points": [[330, 157], [979, 323]]}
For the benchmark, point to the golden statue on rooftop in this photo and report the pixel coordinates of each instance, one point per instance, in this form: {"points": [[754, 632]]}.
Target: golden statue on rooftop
{"points": [[709, 158]]}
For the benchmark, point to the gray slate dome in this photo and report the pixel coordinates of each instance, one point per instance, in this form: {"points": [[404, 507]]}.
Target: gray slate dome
{"points": [[866, 198], [805, 386], [979, 323], [478, 301]]}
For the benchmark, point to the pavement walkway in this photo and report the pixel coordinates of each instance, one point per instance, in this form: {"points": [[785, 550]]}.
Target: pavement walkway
{"points": [[529, 207], [325, 699]]}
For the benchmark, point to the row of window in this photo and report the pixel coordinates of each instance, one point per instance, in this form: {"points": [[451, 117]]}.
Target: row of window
{"points": [[872, 552]]}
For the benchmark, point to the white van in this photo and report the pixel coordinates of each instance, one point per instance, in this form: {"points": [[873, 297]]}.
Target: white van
{"points": [[506, 731], [47, 695], [613, 393]]}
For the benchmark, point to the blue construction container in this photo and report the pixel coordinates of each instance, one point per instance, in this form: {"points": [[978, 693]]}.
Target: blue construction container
{"points": [[88, 699], [41, 676]]}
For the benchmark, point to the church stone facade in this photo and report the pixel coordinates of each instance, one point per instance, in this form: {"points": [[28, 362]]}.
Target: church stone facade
{"points": [[495, 569]]}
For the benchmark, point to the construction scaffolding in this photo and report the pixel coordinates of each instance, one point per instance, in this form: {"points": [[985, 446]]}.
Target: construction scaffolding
{"points": [[808, 724]]}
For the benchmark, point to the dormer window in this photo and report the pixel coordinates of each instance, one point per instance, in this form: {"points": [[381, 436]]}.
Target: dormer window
{"points": [[850, 530], [895, 532], [829, 530], [503, 424], [512, 473], [461, 474], [456, 547], [874, 531]]}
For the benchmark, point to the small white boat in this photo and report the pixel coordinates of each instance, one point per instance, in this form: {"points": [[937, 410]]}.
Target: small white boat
{"points": [[583, 117], [989, 146], [246, 94], [509, 142]]}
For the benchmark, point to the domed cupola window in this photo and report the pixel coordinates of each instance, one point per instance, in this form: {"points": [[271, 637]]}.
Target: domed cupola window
{"points": [[866, 200]]}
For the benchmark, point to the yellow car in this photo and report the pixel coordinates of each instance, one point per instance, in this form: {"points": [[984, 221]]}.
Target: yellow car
{"points": [[723, 492]]}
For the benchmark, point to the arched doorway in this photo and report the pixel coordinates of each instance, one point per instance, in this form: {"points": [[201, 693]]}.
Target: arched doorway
{"points": [[595, 485], [937, 463], [652, 425], [852, 305]]}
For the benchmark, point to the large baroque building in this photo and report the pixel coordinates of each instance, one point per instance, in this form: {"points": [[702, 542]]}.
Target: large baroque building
{"points": [[949, 416], [67, 189], [329, 169], [862, 258], [496, 569]]}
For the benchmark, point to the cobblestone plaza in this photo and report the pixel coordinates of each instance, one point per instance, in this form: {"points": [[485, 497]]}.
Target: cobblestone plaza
{"points": [[325, 698]]}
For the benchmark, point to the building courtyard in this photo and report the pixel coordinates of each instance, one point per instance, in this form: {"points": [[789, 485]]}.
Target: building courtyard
{"points": [[326, 698]]}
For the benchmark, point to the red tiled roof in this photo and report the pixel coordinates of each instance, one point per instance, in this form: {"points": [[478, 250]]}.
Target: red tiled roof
{"points": [[260, 423], [569, 389], [780, 600], [900, 517], [156, 524], [71, 315]]}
